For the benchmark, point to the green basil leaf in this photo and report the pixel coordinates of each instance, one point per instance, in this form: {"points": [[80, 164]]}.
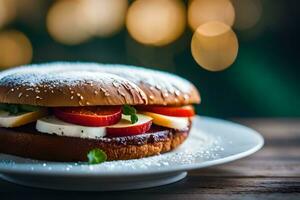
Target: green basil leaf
{"points": [[29, 108], [18, 108], [129, 110], [134, 119], [96, 156], [11, 108], [14, 109], [2, 106]]}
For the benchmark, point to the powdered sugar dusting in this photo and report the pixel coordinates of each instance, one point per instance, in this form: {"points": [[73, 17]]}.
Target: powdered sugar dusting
{"points": [[197, 148], [211, 142], [69, 73], [54, 78], [59, 74]]}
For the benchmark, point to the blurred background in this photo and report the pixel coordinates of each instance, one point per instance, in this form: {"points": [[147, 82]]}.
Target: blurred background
{"points": [[257, 77]]}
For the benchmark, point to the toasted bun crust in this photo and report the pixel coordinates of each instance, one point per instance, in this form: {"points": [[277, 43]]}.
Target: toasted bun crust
{"points": [[83, 84], [57, 148]]}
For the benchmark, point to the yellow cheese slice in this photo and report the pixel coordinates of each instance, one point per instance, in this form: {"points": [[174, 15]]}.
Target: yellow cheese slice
{"points": [[168, 121], [9, 121]]}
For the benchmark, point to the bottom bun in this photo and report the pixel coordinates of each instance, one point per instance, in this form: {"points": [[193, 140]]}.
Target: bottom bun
{"points": [[27, 142]]}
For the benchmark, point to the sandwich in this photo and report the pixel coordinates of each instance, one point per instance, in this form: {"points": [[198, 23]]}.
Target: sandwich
{"points": [[93, 112]]}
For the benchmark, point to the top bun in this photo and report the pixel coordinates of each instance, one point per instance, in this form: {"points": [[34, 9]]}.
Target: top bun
{"points": [[83, 84]]}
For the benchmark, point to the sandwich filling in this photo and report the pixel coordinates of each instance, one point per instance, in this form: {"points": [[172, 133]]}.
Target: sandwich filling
{"points": [[95, 122]]}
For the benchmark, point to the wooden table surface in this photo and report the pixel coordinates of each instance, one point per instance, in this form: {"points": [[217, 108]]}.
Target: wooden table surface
{"points": [[271, 173]]}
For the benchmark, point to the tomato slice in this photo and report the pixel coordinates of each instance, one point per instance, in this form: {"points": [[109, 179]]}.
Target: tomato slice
{"points": [[125, 128], [133, 130], [90, 115], [183, 111]]}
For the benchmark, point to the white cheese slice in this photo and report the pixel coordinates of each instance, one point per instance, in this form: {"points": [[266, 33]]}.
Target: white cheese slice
{"points": [[168, 121], [52, 125]]}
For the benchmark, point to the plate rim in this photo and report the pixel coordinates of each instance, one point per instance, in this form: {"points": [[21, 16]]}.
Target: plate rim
{"points": [[181, 168]]}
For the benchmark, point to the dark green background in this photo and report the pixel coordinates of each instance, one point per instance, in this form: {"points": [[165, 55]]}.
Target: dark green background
{"points": [[264, 80]]}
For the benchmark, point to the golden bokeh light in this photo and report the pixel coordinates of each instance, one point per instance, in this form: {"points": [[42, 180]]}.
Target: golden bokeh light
{"points": [[214, 46], [156, 22], [202, 11], [67, 23], [248, 13], [105, 18], [15, 49], [7, 11]]}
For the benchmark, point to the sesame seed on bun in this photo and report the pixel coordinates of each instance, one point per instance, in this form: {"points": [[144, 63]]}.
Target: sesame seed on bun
{"points": [[83, 84]]}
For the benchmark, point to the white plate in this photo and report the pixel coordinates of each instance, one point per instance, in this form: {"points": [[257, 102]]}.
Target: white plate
{"points": [[211, 142]]}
